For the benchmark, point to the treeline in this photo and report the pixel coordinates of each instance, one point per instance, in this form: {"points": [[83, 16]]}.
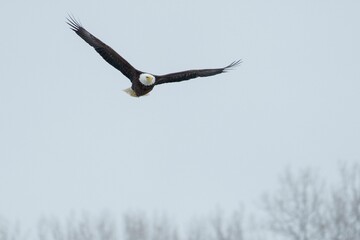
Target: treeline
{"points": [[304, 207]]}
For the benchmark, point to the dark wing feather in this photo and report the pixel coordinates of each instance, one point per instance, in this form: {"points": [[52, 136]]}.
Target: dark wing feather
{"points": [[104, 50], [189, 74]]}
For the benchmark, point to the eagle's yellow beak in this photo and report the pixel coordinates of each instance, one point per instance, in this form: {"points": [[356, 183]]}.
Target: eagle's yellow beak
{"points": [[149, 79]]}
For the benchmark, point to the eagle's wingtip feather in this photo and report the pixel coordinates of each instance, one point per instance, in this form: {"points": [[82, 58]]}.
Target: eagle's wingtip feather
{"points": [[232, 65], [74, 24]]}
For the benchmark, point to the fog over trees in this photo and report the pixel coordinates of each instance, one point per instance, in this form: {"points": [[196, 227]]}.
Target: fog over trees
{"points": [[304, 207]]}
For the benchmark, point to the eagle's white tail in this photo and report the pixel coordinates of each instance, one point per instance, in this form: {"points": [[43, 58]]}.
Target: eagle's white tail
{"points": [[130, 92]]}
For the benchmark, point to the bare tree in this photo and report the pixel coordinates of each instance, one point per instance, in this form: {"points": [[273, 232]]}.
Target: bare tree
{"points": [[198, 230], [83, 228], [343, 215], [138, 227], [295, 210], [230, 228], [217, 227], [163, 229], [302, 209], [10, 232]]}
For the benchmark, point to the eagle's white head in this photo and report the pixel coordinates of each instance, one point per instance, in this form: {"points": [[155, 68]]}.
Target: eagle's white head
{"points": [[147, 79]]}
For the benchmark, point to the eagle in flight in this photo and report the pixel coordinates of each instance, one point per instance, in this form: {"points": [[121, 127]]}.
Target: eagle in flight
{"points": [[142, 82]]}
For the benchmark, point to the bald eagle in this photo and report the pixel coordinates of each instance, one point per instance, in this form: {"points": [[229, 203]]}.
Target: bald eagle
{"points": [[142, 82]]}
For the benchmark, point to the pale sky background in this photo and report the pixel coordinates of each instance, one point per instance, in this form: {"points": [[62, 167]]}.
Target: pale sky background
{"points": [[72, 140]]}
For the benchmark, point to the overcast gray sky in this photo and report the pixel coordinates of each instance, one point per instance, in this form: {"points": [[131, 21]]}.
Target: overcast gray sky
{"points": [[72, 140]]}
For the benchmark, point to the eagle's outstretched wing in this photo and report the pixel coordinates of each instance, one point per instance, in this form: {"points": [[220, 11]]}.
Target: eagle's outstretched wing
{"points": [[104, 50], [189, 74]]}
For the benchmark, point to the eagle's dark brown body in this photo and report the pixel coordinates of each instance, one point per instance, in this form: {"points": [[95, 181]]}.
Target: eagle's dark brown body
{"points": [[140, 89]]}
